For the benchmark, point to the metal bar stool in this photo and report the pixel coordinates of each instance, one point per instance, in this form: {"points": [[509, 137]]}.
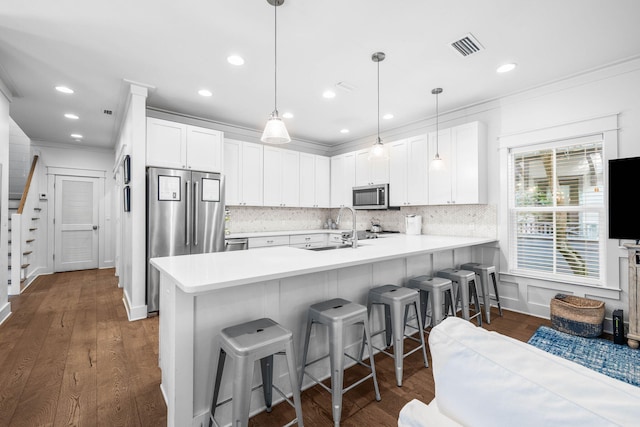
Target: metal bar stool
{"points": [[438, 291], [396, 301], [246, 343], [337, 314], [486, 273], [465, 288]]}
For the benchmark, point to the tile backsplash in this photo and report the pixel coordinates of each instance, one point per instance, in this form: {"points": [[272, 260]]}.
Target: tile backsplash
{"points": [[453, 220]]}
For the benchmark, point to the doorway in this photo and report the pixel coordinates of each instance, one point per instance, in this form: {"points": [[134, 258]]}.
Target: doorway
{"points": [[76, 222]]}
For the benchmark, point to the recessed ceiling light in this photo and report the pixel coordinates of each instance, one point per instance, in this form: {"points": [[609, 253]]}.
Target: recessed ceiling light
{"points": [[235, 60], [204, 92], [344, 130], [287, 115], [71, 116], [388, 116], [328, 94], [76, 136], [504, 68], [64, 89]]}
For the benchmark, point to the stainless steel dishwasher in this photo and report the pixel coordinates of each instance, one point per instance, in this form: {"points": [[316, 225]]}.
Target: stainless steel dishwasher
{"points": [[236, 244]]}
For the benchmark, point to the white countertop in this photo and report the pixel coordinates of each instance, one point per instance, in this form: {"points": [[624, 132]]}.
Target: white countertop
{"points": [[282, 233], [208, 272]]}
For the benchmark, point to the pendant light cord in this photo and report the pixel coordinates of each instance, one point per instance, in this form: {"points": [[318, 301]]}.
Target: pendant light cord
{"points": [[275, 56], [378, 140], [437, 136]]}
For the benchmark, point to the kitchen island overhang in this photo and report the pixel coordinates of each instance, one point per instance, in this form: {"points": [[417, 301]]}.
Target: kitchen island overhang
{"points": [[201, 294]]}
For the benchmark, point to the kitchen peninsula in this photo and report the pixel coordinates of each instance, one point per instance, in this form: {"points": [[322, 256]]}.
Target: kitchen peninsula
{"points": [[201, 294]]}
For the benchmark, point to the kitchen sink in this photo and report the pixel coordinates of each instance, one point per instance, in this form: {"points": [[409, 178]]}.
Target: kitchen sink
{"points": [[330, 247]]}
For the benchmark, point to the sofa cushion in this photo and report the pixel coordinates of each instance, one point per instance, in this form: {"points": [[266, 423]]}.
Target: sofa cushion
{"points": [[483, 378]]}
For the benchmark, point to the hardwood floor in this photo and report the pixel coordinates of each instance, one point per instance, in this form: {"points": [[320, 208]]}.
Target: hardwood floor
{"points": [[69, 356]]}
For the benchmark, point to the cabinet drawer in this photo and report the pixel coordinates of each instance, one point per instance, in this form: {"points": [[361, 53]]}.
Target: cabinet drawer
{"points": [[301, 239], [335, 238], [263, 242]]}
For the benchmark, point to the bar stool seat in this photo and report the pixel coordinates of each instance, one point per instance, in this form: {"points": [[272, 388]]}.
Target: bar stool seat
{"points": [[486, 273], [396, 301], [465, 288], [246, 343], [337, 314], [438, 291]]}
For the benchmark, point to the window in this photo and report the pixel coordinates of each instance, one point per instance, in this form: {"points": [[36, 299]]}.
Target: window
{"points": [[557, 210]]}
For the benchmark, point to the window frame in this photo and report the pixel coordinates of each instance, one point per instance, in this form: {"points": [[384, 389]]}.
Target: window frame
{"points": [[607, 127]]}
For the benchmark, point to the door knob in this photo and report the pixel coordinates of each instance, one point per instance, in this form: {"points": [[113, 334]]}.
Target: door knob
{"points": [[95, 227]]}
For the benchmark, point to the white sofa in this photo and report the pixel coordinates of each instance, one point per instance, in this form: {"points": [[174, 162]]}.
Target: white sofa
{"points": [[483, 378]]}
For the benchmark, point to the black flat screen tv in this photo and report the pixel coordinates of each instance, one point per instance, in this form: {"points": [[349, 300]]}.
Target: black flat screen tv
{"points": [[624, 218]]}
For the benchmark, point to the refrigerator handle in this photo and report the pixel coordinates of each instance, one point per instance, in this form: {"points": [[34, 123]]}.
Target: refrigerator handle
{"points": [[196, 200], [187, 223]]}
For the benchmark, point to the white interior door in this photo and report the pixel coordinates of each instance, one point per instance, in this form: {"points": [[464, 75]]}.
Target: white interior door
{"points": [[76, 223]]}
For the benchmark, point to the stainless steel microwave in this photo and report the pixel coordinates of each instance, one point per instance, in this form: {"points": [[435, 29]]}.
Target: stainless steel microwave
{"points": [[371, 197]]}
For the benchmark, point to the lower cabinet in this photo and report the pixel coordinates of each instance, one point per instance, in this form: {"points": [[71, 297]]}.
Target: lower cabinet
{"points": [[267, 242], [308, 240]]}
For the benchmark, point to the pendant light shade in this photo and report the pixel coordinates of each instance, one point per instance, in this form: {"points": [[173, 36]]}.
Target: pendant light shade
{"points": [[377, 151], [437, 91], [275, 132]]}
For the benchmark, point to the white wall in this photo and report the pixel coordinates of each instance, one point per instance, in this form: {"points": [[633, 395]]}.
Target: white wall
{"points": [[5, 99], [132, 225]]}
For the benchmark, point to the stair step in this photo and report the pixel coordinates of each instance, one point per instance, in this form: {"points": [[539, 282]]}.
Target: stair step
{"points": [[27, 241], [24, 266], [27, 252], [37, 209], [35, 218], [33, 229]]}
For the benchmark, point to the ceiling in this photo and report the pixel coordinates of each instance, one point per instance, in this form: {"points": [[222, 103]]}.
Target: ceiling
{"points": [[178, 47]]}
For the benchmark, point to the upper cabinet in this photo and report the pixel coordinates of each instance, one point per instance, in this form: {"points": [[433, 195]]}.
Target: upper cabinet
{"points": [[372, 170], [243, 163], [343, 179], [408, 171], [461, 176], [281, 177], [314, 181], [180, 146]]}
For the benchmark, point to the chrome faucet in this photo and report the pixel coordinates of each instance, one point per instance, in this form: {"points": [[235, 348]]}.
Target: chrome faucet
{"points": [[354, 233]]}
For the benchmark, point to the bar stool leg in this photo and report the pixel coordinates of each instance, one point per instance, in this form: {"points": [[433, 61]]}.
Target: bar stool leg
{"points": [[421, 332], [336, 361], [243, 377], [293, 380], [463, 292], [306, 349], [495, 290], [473, 292], [266, 367], [436, 308], [424, 303], [397, 329], [388, 325], [216, 387], [367, 336]]}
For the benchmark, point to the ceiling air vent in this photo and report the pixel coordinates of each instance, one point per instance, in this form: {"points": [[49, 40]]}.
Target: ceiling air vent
{"points": [[467, 45]]}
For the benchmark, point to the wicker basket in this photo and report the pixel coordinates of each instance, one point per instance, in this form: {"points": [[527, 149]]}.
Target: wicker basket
{"points": [[577, 316]]}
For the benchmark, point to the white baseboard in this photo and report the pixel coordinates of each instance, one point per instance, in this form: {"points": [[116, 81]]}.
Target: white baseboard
{"points": [[134, 312], [5, 312]]}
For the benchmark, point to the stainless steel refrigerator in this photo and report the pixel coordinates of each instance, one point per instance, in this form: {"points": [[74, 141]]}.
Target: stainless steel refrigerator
{"points": [[185, 215]]}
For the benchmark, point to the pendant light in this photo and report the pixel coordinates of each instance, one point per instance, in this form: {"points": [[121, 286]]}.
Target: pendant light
{"points": [[437, 91], [275, 132], [378, 147]]}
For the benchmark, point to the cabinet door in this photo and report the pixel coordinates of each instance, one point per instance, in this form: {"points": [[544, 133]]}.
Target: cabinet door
{"points": [[233, 171], [290, 174], [204, 149], [166, 144], [337, 181], [349, 178], [363, 170], [307, 180], [469, 177], [417, 167], [323, 178], [374, 170], [252, 174], [398, 173], [440, 170]]}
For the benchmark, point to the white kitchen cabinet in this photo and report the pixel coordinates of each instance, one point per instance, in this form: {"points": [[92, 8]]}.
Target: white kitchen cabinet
{"points": [[180, 146], [281, 177], [267, 242], [243, 163], [308, 240], [314, 181], [408, 172], [343, 179], [374, 170], [461, 176]]}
